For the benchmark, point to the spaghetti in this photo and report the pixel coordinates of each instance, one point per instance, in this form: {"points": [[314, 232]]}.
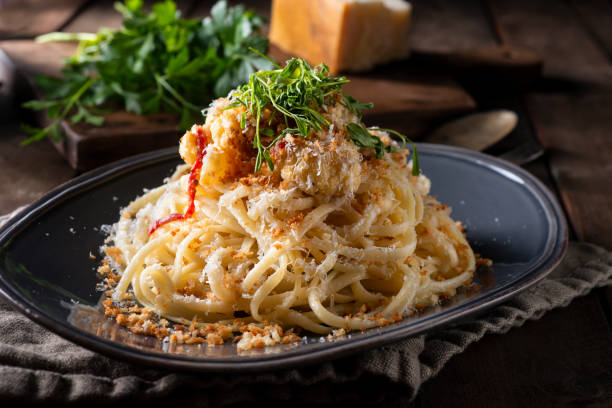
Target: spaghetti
{"points": [[333, 236]]}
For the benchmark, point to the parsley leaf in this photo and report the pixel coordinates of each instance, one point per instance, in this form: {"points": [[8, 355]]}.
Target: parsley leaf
{"points": [[355, 106], [156, 61], [364, 139]]}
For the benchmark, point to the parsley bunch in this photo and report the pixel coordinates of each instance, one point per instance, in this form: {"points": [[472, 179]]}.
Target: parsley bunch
{"points": [[156, 62], [298, 92]]}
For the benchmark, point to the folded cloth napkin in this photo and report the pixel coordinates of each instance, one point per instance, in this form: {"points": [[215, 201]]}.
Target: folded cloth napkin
{"points": [[37, 366]]}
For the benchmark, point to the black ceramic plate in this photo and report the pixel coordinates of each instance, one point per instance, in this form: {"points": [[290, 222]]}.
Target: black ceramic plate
{"points": [[47, 273]]}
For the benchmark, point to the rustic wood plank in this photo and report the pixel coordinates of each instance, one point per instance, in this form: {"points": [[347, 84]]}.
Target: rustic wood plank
{"points": [[563, 359], [102, 13], [462, 34], [29, 18], [605, 296], [33, 59], [597, 17], [569, 53], [409, 105], [460, 38], [417, 95], [441, 26], [577, 131], [123, 134], [27, 172], [99, 14]]}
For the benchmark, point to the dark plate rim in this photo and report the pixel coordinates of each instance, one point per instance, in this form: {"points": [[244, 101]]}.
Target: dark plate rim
{"points": [[555, 251]]}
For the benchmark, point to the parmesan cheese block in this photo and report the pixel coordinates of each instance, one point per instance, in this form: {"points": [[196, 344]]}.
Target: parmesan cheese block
{"points": [[348, 35]]}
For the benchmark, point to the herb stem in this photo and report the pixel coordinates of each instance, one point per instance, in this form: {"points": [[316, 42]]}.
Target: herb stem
{"points": [[65, 37], [261, 54], [75, 97], [173, 92]]}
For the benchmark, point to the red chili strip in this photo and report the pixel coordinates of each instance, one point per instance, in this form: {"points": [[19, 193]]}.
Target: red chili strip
{"points": [[194, 176]]}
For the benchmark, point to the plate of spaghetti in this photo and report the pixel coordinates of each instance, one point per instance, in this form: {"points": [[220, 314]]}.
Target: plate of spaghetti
{"points": [[285, 231]]}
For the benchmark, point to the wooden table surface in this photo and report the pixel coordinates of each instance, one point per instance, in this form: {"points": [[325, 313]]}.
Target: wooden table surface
{"points": [[563, 359]]}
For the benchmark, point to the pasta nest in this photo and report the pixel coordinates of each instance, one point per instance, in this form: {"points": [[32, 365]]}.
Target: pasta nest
{"points": [[332, 237]]}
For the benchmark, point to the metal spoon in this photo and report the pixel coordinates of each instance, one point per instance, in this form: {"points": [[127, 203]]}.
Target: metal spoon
{"points": [[477, 131]]}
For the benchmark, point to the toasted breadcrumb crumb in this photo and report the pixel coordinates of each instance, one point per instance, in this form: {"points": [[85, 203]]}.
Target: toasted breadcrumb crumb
{"points": [[480, 261], [143, 321]]}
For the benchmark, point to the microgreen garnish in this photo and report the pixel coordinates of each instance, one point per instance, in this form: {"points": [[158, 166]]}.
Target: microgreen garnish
{"points": [[355, 106], [299, 92], [155, 62]]}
